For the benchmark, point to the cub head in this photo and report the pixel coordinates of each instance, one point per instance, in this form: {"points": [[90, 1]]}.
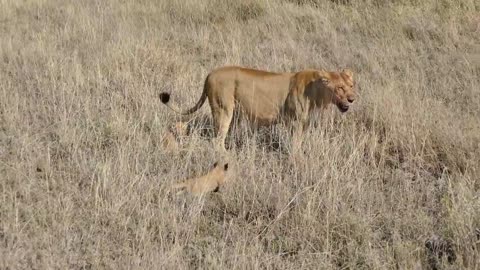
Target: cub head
{"points": [[341, 86], [219, 170], [180, 129], [220, 167]]}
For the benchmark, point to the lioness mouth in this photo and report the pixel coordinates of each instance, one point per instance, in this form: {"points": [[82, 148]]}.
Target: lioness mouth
{"points": [[342, 108]]}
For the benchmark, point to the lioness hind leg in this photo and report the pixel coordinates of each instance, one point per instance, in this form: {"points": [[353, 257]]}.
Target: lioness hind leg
{"points": [[222, 119]]}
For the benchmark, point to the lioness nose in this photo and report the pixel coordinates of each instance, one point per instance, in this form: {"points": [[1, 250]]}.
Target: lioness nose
{"points": [[350, 100]]}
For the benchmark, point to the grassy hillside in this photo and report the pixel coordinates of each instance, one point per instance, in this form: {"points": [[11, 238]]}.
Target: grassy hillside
{"points": [[84, 177]]}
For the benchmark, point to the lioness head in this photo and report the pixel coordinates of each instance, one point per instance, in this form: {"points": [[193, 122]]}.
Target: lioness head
{"points": [[341, 85]]}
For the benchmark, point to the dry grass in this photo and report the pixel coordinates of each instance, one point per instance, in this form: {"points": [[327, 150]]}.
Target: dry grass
{"points": [[83, 177]]}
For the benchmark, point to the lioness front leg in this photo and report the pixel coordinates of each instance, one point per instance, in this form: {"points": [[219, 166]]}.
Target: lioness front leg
{"points": [[297, 130]]}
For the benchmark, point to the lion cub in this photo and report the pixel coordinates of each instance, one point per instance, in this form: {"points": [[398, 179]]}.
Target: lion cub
{"points": [[206, 183], [174, 133]]}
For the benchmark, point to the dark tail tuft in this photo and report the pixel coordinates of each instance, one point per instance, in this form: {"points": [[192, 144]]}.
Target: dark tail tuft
{"points": [[164, 97]]}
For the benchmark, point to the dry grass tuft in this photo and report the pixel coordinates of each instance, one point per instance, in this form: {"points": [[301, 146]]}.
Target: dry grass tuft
{"points": [[83, 175]]}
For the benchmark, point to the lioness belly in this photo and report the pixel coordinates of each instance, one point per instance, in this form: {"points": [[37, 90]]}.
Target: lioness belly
{"points": [[256, 110], [262, 100]]}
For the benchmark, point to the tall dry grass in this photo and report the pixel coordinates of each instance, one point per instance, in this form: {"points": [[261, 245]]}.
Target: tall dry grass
{"points": [[83, 177]]}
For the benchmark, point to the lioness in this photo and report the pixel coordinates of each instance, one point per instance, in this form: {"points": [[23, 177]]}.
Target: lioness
{"points": [[206, 183], [267, 97]]}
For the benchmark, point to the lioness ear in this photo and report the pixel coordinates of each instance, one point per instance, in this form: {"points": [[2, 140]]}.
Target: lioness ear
{"points": [[225, 167], [323, 76], [215, 164], [348, 72]]}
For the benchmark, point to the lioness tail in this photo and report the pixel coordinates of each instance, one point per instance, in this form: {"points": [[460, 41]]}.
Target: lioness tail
{"points": [[165, 98]]}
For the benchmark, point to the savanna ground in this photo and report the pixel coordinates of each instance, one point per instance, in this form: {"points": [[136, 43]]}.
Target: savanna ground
{"points": [[84, 177]]}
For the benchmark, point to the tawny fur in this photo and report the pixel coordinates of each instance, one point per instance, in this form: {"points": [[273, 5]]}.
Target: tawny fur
{"points": [[206, 183], [268, 98]]}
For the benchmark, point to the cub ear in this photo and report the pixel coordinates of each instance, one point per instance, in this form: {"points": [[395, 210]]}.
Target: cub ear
{"points": [[348, 72], [225, 167], [215, 164]]}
